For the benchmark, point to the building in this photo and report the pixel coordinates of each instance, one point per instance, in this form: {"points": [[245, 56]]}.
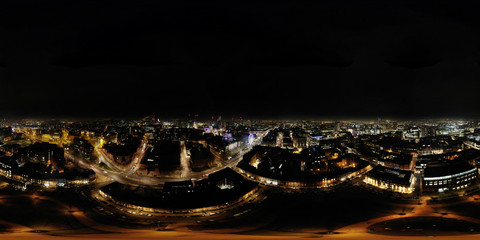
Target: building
{"points": [[399, 161], [429, 131], [82, 148], [390, 179], [287, 143], [300, 142], [448, 176], [122, 153], [312, 167], [41, 165], [200, 156], [160, 157], [226, 147]]}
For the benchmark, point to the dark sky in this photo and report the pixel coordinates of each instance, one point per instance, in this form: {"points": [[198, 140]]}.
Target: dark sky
{"points": [[251, 58]]}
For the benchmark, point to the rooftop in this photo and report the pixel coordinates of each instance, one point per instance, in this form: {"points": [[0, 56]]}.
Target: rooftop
{"points": [[400, 177], [448, 168]]}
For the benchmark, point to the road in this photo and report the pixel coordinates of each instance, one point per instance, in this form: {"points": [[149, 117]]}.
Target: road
{"points": [[184, 160], [221, 212], [127, 175], [469, 145], [132, 166], [120, 173], [188, 174]]}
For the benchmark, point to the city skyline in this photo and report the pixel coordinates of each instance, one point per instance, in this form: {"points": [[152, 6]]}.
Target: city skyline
{"points": [[242, 178]]}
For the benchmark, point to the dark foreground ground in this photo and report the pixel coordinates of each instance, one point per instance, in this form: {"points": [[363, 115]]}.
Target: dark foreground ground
{"points": [[294, 212], [425, 226], [72, 215]]}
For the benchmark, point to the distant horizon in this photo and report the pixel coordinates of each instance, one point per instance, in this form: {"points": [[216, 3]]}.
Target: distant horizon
{"points": [[237, 118]]}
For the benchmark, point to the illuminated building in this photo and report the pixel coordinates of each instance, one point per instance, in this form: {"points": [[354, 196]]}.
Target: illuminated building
{"points": [[452, 175], [280, 139], [429, 131], [395, 161], [390, 179], [300, 142], [82, 148], [44, 165], [29, 176], [226, 147], [309, 168], [438, 145]]}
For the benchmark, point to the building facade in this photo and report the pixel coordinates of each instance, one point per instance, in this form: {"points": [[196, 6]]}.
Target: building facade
{"points": [[447, 177]]}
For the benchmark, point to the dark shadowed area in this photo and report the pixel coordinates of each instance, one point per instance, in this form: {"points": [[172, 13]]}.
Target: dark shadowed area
{"points": [[251, 58]]}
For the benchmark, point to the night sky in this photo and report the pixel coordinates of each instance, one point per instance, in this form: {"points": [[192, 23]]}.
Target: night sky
{"points": [[265, 59]]}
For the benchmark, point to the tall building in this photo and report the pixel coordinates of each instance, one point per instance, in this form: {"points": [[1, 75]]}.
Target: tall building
{"points": [[280, 139], [429, 131]]}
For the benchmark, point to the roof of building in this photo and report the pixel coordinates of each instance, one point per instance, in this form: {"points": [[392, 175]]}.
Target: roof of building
{"points": [[448, 168], [400, 177]]}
